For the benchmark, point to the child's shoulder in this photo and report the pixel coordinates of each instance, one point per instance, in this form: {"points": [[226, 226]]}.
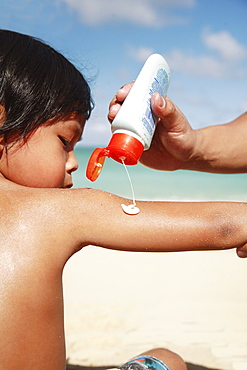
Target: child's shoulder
{"points": [[48, 222], [36, 223]]}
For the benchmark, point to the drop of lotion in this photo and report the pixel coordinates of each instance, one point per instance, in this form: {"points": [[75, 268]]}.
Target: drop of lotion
{"points": [[131, 209]]}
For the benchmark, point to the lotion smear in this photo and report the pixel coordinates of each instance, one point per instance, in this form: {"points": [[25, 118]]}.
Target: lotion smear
{"points": [[131, 209]]}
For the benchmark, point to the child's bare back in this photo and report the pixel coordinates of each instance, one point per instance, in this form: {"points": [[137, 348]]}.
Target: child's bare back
{"points": [[32, 334]]}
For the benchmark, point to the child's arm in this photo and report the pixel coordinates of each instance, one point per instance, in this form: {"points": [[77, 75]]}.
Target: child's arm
{"points": [[169, 226], [85, 216], [219, 148]]}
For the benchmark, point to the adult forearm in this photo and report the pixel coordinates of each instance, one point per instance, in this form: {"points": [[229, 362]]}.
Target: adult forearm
{"points": [[221, 148]]}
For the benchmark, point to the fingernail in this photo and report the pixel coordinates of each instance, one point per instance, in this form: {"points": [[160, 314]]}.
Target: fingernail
{"points": [[159, 100], [114, 108], [162, 101], [121, 93]]}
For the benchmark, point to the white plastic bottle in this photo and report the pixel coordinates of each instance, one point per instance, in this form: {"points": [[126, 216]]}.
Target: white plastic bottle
{"points": [[134, 124]]}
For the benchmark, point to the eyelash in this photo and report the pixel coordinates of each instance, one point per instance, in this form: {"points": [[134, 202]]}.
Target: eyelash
{"points": [[65, 142]]}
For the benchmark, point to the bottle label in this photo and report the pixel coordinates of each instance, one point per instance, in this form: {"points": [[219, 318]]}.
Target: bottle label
{"points": [[160, 84]]}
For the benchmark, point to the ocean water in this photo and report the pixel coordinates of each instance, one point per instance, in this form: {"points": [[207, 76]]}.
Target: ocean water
{"points": [[149, 184]]}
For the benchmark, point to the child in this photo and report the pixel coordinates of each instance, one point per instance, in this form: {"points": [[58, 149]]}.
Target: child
{"points": [[44, 104]]}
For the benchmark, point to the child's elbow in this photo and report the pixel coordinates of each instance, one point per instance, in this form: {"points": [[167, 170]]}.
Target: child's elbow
{"points": [[230, 234]]}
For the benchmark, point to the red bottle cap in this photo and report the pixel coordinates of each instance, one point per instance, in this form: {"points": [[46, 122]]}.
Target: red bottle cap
{"points": [[121, 148]]}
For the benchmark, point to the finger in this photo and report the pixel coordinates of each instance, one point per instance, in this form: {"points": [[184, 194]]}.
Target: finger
{"points": [[242, 251], [117, 101], [113, 111], [120, 96], [123, 92]]}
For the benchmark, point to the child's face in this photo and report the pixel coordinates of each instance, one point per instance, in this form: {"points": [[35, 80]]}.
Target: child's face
{"points": [[47, 159]]}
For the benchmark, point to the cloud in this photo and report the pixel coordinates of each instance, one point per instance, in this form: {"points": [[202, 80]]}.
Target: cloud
{"points": [[140, 54], [222, 59], [225, 45], [152, 13], [205, 65]]}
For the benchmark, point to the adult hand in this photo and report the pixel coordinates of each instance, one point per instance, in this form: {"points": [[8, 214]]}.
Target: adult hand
{"points": [[174, 140], [176, 145]]}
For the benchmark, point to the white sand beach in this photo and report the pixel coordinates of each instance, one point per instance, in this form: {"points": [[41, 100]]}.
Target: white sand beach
{"points": [[119, 304]]}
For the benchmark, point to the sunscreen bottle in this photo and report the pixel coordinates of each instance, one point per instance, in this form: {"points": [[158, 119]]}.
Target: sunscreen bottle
{"points": [[134, 124]]}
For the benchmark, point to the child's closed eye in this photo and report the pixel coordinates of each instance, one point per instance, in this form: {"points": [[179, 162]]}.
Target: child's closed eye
{"points": [[65, 142]]}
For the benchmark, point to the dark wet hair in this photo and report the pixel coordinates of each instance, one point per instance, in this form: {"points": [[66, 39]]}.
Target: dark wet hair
{"points": [[37, 83]]}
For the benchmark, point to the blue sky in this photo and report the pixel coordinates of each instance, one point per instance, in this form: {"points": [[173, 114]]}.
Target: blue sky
{"points": [[204, 43]]}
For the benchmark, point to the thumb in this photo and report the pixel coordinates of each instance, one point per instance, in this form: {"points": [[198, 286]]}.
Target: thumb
{"points": [[170, 115]]}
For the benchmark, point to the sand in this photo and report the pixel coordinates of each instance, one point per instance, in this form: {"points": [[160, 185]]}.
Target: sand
{"points": [[119, 304]]}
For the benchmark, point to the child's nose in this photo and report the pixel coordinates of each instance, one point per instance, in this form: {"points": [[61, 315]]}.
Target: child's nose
{"points": [[72, 163]]}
